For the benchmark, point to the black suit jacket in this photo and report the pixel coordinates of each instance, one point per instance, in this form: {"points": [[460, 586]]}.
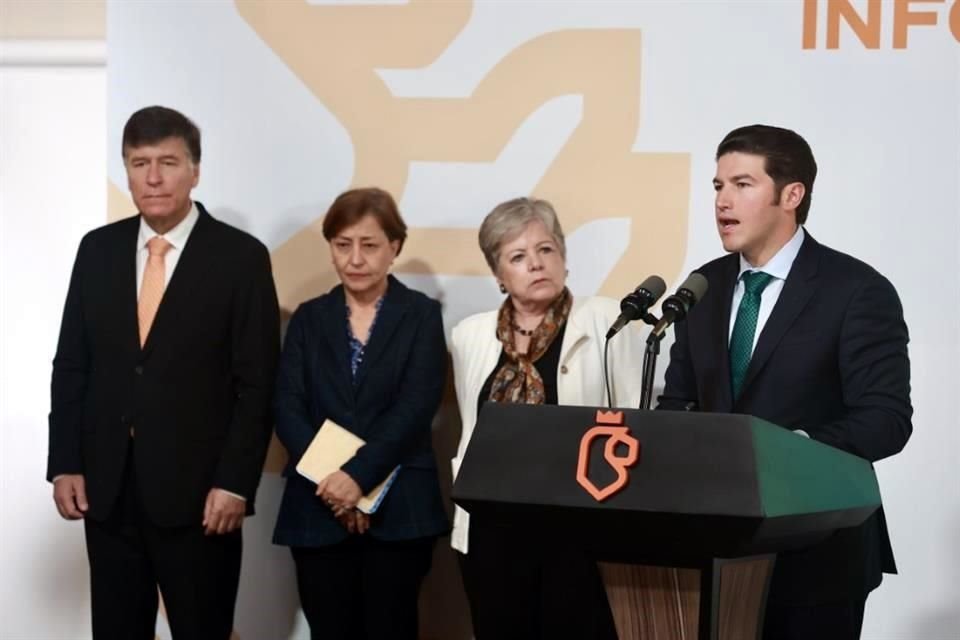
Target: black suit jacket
{"points": [[831, 360], [197, 393], [390, 404]]}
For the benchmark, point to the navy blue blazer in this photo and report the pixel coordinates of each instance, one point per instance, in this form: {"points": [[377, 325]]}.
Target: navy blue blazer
{"points": [[391, 405], [831, 360]]}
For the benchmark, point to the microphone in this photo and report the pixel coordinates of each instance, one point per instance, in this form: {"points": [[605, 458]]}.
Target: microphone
{"points": [[675, 307], [636, 303]]}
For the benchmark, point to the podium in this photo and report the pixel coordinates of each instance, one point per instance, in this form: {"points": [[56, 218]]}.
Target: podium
{"points": [[683, 511]]}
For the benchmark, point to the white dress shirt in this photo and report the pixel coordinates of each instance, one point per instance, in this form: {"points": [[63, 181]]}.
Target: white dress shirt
{"points": [[779, 267]]}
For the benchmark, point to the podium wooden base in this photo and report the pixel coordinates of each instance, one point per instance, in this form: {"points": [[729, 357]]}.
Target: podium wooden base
{"points": [[723, 600]]}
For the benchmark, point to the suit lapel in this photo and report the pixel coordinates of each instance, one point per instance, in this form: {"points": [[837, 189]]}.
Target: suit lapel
{"points": [[718, 315], [391, 314], [797, 291], [573, 335], [124, 268], [333, 318], [198, 252]]}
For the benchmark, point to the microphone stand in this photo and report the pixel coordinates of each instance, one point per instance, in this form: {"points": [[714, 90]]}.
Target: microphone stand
{"points": [[652, 320], [649, 367]]}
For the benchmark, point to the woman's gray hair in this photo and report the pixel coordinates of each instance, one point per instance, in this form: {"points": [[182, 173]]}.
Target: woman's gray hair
{"points": [[509, 218]]}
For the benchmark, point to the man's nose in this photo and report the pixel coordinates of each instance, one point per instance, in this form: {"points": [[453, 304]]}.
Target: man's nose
{"points": [[154, 176], [722, 200]]}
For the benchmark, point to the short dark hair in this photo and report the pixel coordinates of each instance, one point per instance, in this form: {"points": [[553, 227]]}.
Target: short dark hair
{"points": [[153, 124], [350, 206], [787, 158]]}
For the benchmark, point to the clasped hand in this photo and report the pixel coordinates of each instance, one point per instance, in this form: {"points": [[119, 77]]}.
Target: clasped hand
{"points": [[341, 493]]}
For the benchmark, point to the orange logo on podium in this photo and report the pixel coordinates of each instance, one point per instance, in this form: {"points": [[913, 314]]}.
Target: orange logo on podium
{"points": [[609, 424]]}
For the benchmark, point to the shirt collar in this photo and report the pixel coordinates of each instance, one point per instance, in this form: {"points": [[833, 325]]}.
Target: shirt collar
{"points": [[779, 265], [177, 237]]}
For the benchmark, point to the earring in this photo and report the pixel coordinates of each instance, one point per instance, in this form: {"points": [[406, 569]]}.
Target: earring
{"points": [[503, 289]]}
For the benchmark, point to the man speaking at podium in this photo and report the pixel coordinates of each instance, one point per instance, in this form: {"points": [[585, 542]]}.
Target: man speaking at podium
{"points": [[805, 337]]}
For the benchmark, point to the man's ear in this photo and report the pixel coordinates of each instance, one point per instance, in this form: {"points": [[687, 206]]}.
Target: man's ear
{"points": [[792, 195]]}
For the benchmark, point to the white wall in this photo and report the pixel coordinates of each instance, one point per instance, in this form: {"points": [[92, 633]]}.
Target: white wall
{"points": [[52, 191]]}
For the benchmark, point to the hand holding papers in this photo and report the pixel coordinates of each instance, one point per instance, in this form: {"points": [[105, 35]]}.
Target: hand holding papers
{"points": [[330, 449]]}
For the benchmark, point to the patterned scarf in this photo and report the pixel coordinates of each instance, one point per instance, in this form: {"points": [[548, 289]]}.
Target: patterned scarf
{"points": [[518, 381]]}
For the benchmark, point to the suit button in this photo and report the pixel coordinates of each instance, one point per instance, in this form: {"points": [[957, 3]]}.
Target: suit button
{"points": [[138, 369], [564, 369]]}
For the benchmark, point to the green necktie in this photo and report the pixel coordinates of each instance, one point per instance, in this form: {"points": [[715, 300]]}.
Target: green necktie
{"points": [[741, 340]]}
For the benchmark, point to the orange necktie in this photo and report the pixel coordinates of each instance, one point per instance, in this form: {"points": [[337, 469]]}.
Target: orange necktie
{"points": [[154, 281]]}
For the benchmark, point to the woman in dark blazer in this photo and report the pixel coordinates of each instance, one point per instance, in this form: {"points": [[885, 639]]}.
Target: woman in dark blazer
{"points": [[370, 356]]}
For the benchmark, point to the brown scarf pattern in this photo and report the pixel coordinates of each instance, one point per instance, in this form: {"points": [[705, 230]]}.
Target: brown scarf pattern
{"points": [[518, 381]]}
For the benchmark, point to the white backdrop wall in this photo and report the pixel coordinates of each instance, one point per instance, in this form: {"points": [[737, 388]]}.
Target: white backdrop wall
{"points": [[611, 109], [52, 170]]}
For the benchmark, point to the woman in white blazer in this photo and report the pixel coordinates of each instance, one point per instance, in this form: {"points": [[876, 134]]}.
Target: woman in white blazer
{"points": [[540, 347]]}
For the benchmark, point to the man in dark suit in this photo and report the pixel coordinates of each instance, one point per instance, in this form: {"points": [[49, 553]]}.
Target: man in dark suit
{"points": [[808, 338], [159, 418]]}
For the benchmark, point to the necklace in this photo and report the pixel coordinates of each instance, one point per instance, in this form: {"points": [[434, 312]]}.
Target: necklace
{"points": [[524, 332]]}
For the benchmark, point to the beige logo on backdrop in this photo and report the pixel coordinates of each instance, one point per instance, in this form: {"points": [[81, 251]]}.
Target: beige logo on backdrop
{"points": [[335, 51]]}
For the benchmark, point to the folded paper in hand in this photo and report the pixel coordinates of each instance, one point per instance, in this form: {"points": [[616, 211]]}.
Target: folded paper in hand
{"points": [[331, 448]]}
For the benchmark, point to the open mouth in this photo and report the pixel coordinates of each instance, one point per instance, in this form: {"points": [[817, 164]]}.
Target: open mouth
{"points": [[727, 224]]}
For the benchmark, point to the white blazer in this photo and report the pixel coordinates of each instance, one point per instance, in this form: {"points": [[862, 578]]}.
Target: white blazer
{"points": [[476, 351]]}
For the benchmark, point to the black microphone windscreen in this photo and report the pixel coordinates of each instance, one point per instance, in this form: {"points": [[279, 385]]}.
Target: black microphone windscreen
{"points": [[697, 285], [655, 285]]}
